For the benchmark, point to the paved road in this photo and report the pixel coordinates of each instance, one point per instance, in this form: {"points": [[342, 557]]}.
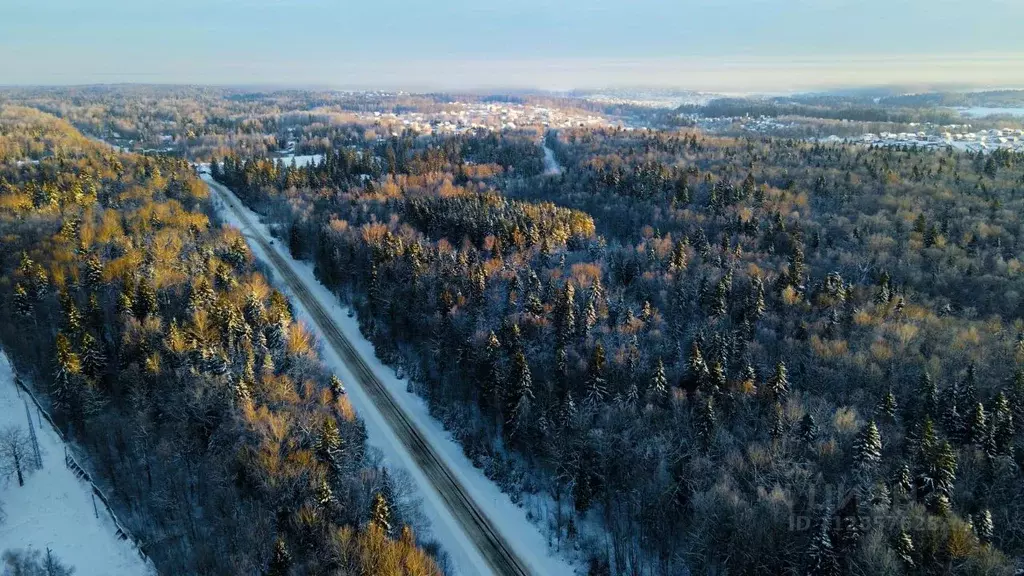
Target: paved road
{"points": [[490, 543], [551, 165]]}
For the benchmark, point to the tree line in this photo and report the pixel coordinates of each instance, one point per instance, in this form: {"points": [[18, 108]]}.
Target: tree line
{"points": [[198, 398], [749, 355]]}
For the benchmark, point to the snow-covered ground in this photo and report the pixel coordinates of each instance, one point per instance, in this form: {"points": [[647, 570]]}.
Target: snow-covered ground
{"points": [[54, 509], [551, 166], [510, 519], [981, 112], [300, 160]]}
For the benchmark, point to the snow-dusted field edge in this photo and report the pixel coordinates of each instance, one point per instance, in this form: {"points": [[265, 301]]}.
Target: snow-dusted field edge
{"points": [[55, 509], [509, 518]]}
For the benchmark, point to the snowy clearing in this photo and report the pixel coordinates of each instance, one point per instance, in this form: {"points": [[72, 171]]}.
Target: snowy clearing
{"points": [[54, 509], [551, 165], [528, 543], [300, 160], [981, 112]]}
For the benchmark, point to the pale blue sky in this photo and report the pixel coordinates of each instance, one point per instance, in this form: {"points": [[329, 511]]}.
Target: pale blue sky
{"points": [[723, 44]]}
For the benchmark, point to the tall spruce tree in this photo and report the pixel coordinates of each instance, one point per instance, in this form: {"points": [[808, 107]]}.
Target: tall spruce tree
{"points": [[983, 526], [706, 421], [903, 546], [565, 314], [280, 561], [887, 406], [520, 404], [928, 397], [380, 513], [808, 431], [822, 559], [659, 385], [1002, 424], [596, 387], [867, 449], [777, 387]]}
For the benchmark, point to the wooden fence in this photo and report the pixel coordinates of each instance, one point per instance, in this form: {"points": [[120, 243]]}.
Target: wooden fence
{"points": [[80, 472]]}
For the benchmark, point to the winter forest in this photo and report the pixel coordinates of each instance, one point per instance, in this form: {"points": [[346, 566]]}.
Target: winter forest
{"points": [[725, 355]]}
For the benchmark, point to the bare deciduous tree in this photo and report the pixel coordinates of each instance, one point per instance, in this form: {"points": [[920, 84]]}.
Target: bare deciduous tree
{"points": [[15, 453]]}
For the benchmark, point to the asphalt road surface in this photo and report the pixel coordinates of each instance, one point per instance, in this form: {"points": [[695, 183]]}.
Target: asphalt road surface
{"points": [[490, 543]]}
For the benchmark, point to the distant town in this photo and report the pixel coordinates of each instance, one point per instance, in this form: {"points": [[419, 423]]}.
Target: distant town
{"points": [[459, 117]]}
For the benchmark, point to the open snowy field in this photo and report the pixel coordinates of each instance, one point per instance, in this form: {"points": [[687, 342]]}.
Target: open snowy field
{"points": [[981, 112], [54, 509]]}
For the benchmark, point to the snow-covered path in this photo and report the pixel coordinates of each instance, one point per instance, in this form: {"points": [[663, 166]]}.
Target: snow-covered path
{"points": [[551, 165], [54, 509], [466, 537]]}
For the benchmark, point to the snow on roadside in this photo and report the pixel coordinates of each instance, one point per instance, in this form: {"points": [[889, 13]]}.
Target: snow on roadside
{"points": [[54, 509], [507, 517]]}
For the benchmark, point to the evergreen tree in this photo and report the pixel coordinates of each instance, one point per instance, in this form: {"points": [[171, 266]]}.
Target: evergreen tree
{"points": [[37, 281], [589, 318], [887, 405], [521, 401], [565, 320], [67, 367], [23, 304], [968, 391], [1002, 424], [699, 372], [716, 379], [336, 386], [146, 301], [281, 561], [96, 316], [720, 299], [659, 384], [808, 430], [903, 483], [479, 285], [632, 396], [757, 304], [867, 449], [952, 418], [706, 421], [1016, 396], [72, 317], [380, 513], [884, 289], [797, 268], [976, 427], [243, 390], [822, 559], [936, 474], [903, 546], [328, 445], [596, 387], [253, 311], [928, 397], [94, 363], [682, 192], [777, 422], [748, 381], [679, 258], [93, 271], [983, 526], [777, 387]]}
